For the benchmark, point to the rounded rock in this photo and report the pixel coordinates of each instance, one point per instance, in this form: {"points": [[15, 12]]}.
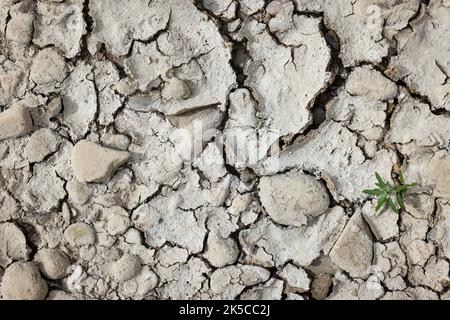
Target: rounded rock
{"points": [[126, 268], [292, 197], [221, 252], [80, 234], [117, 221], [78, 192], [22, 281], [176, 89], [53, 263]]}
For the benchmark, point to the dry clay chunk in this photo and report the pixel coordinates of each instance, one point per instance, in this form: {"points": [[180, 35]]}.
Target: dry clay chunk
{"points": [[441, 231], [15, 122], [275, 72], [9, 208], [61, 25], [42, 143], [296, 277], [353, 250], [117, 28], [94, 163], [363, 26], [365, 81], [290, 198], [426, 72], [20, 28], [48, 70], [22, 281], [270, 244], [13, 245]]}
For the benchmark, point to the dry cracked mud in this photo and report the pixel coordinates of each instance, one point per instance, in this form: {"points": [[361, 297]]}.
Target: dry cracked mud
{"points": [[218, 149]]}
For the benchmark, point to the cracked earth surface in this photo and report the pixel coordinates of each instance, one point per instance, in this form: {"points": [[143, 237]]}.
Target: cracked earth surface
{"points": [[218, 149]]}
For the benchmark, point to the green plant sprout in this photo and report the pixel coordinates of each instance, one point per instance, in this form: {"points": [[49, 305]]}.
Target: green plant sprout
{"points": [[390, 195]]}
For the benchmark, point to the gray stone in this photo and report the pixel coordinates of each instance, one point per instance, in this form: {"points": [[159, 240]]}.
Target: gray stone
{"points": [[94, 163]]}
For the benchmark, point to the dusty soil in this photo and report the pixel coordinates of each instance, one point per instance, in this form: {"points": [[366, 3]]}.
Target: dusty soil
{"points": [[219, 149]]}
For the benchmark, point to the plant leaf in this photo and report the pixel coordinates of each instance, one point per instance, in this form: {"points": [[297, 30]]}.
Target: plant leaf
{"points": [[391, 205], [400, 201], [373, 192], [380, 180], [381, 201], [381, 187], [401, 188], [401, 177]]}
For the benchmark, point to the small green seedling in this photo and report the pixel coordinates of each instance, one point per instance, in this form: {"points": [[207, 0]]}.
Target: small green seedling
{"points": [[390, 195]]}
